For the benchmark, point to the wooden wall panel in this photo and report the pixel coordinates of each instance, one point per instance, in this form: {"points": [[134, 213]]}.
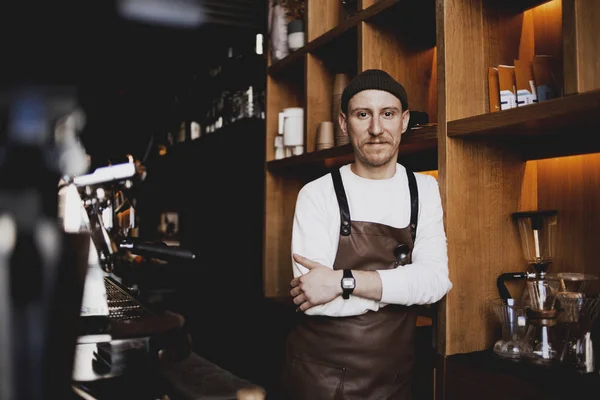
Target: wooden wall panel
{"points": [[365, 4], [280, 94], [381, 48], [547, 19], [463, 42], [319, 88], [280, 196], [482, 240], [459, 37], [572, 186], [321, 16], [482, 182], [581, 19], [280, 201]]}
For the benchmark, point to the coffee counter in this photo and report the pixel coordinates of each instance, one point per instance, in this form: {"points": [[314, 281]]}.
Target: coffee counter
{"points": [[483, 375]]}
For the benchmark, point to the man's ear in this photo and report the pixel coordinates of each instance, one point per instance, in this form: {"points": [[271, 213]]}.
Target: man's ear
{"points": [[343, 123], [405, 119]]}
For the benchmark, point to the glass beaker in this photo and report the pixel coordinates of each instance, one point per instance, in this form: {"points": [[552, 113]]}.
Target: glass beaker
{"points": [[537, 230], [579, 314], [541, 294], [513, 321]]}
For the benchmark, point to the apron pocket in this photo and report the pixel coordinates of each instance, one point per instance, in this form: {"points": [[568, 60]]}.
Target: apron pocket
{"points": [[309, 380]]}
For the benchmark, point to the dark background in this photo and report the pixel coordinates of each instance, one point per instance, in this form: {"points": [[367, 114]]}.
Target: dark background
{"points": [[136, 82], [135, 79]]}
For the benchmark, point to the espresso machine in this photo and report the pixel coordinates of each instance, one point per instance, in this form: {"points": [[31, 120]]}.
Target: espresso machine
{"points": [[117, 333]]}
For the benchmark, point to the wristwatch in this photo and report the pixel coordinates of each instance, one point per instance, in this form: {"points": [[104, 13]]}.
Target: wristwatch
{"points": [[348, 284]]}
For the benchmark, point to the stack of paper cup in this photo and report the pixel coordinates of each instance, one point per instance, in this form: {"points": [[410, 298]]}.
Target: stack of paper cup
{"points": [[325, 137], [340, 82]]}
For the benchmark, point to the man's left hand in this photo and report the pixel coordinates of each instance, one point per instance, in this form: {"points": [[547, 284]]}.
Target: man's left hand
{"points": [[318, 286]]}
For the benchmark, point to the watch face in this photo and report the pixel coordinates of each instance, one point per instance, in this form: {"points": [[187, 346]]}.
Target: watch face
{"points": [[348, 283]]}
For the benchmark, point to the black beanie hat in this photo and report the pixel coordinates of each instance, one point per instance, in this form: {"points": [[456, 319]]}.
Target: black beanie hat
{"points": [[374, 79]]}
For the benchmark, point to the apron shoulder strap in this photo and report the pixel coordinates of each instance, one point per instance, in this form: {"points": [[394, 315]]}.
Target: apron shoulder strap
{"points": [[342, 202], [414, 202]]}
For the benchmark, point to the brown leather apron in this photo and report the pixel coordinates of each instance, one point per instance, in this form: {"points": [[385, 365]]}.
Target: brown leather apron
{"points": [[369, 356]]}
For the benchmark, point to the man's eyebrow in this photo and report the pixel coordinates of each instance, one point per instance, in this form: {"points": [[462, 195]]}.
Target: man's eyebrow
{"points": [[369, 109]]}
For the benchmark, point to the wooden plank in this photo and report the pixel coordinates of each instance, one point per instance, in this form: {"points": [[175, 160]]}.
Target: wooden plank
{"points": [[547, 19], [314, 45], [571, 185], [581, 19], [319, 91], [279, 193], [382, 48], [280, 94], [420, 140], [280, 202], [322, 16], [545, 118], [461, 93], [518, 6]]}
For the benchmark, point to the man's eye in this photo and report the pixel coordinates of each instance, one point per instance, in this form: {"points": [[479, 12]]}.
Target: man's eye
{"points": [[362, 114], [388, 114]]}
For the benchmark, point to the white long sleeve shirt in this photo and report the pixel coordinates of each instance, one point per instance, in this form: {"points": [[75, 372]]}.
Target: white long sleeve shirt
{"points": [[316, 231]]}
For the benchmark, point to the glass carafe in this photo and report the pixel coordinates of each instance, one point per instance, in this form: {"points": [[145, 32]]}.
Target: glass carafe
{"points": [[512, 320], [579, 314], [543, 344]]}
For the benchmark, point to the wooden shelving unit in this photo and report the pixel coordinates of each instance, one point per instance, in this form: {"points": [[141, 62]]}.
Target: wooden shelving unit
{"points": [[375, 37], [419, 141], [489, 165]]}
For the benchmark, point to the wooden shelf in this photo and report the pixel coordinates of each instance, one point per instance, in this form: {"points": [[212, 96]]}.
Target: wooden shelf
{"points": [[553, 128], [417, 141], [515, 6], [313, 46], [562, 115]]}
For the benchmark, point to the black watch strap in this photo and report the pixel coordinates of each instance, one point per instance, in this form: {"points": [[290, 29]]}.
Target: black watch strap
{"points": [[348, 284]]}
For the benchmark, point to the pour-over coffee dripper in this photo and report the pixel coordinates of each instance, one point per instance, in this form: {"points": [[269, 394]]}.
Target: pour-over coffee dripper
{"points": [[537, 232]]}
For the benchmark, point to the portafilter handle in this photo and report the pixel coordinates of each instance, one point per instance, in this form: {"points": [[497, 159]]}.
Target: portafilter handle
{"points": [[158, 250]]}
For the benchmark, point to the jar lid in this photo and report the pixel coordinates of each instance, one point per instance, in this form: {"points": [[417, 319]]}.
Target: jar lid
{"points": [[570, 276]]}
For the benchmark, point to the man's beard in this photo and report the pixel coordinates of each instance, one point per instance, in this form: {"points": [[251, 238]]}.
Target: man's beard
{"points": [[378, 159]]}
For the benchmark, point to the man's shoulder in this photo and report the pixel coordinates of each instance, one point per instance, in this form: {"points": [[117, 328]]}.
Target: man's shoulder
{"points": [[427, 183], [319, 184], [425, 178], [325, 182]]}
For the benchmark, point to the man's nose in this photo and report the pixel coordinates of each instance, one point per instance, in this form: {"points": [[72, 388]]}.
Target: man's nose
{"points": [[375, 128]]}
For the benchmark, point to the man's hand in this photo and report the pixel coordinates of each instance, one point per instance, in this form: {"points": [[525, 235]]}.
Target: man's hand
{"points": [[318, 286]]}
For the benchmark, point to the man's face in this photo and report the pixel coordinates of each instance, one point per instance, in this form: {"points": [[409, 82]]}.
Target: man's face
{"points": [[375, 123]]}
